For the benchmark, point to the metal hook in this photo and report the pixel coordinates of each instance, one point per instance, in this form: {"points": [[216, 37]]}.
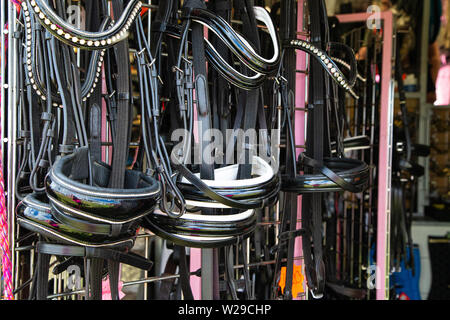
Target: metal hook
{"points": [[186, 60], [112, 94], [151, 63], [175, 69], [140, 52]]}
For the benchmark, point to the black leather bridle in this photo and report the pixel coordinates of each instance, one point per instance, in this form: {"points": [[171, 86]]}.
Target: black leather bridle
{"points": [[322, 173], [88, 211], [80, 207]]}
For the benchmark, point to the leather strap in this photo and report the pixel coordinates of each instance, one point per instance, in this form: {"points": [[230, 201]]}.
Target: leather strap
{"points": [[316, 127], [204, 117], [123, 92]]}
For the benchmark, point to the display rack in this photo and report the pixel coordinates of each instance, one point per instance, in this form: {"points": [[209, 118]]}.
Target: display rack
{"points": [[150, 242]]}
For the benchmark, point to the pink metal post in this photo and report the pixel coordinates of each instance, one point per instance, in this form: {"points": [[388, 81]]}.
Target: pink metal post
{"points": [[300, 103], [385, 153], [195, 255]]}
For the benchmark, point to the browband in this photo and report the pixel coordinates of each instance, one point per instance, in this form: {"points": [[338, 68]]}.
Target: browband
{"points": [[66, 33], [93, 72], [327, 63]]}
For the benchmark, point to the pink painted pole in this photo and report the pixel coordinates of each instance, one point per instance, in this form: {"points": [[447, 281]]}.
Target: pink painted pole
{"points": [[195, 264], [385, 161], [300, 102], [195, 253], [385, 153]]}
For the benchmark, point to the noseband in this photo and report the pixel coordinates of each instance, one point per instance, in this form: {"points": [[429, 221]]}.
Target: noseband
{"points": [[209, 231]]}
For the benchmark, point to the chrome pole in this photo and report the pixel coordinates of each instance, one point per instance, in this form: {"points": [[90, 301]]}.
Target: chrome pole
{"points": [[2, 71], [12, 130]]}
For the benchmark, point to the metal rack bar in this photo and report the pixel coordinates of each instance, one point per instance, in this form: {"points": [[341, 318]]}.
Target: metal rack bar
{"points": [[301, 96]]}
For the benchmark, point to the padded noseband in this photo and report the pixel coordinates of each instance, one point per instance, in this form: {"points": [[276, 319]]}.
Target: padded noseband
{"points": [[89, 215], [209, 231]]}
